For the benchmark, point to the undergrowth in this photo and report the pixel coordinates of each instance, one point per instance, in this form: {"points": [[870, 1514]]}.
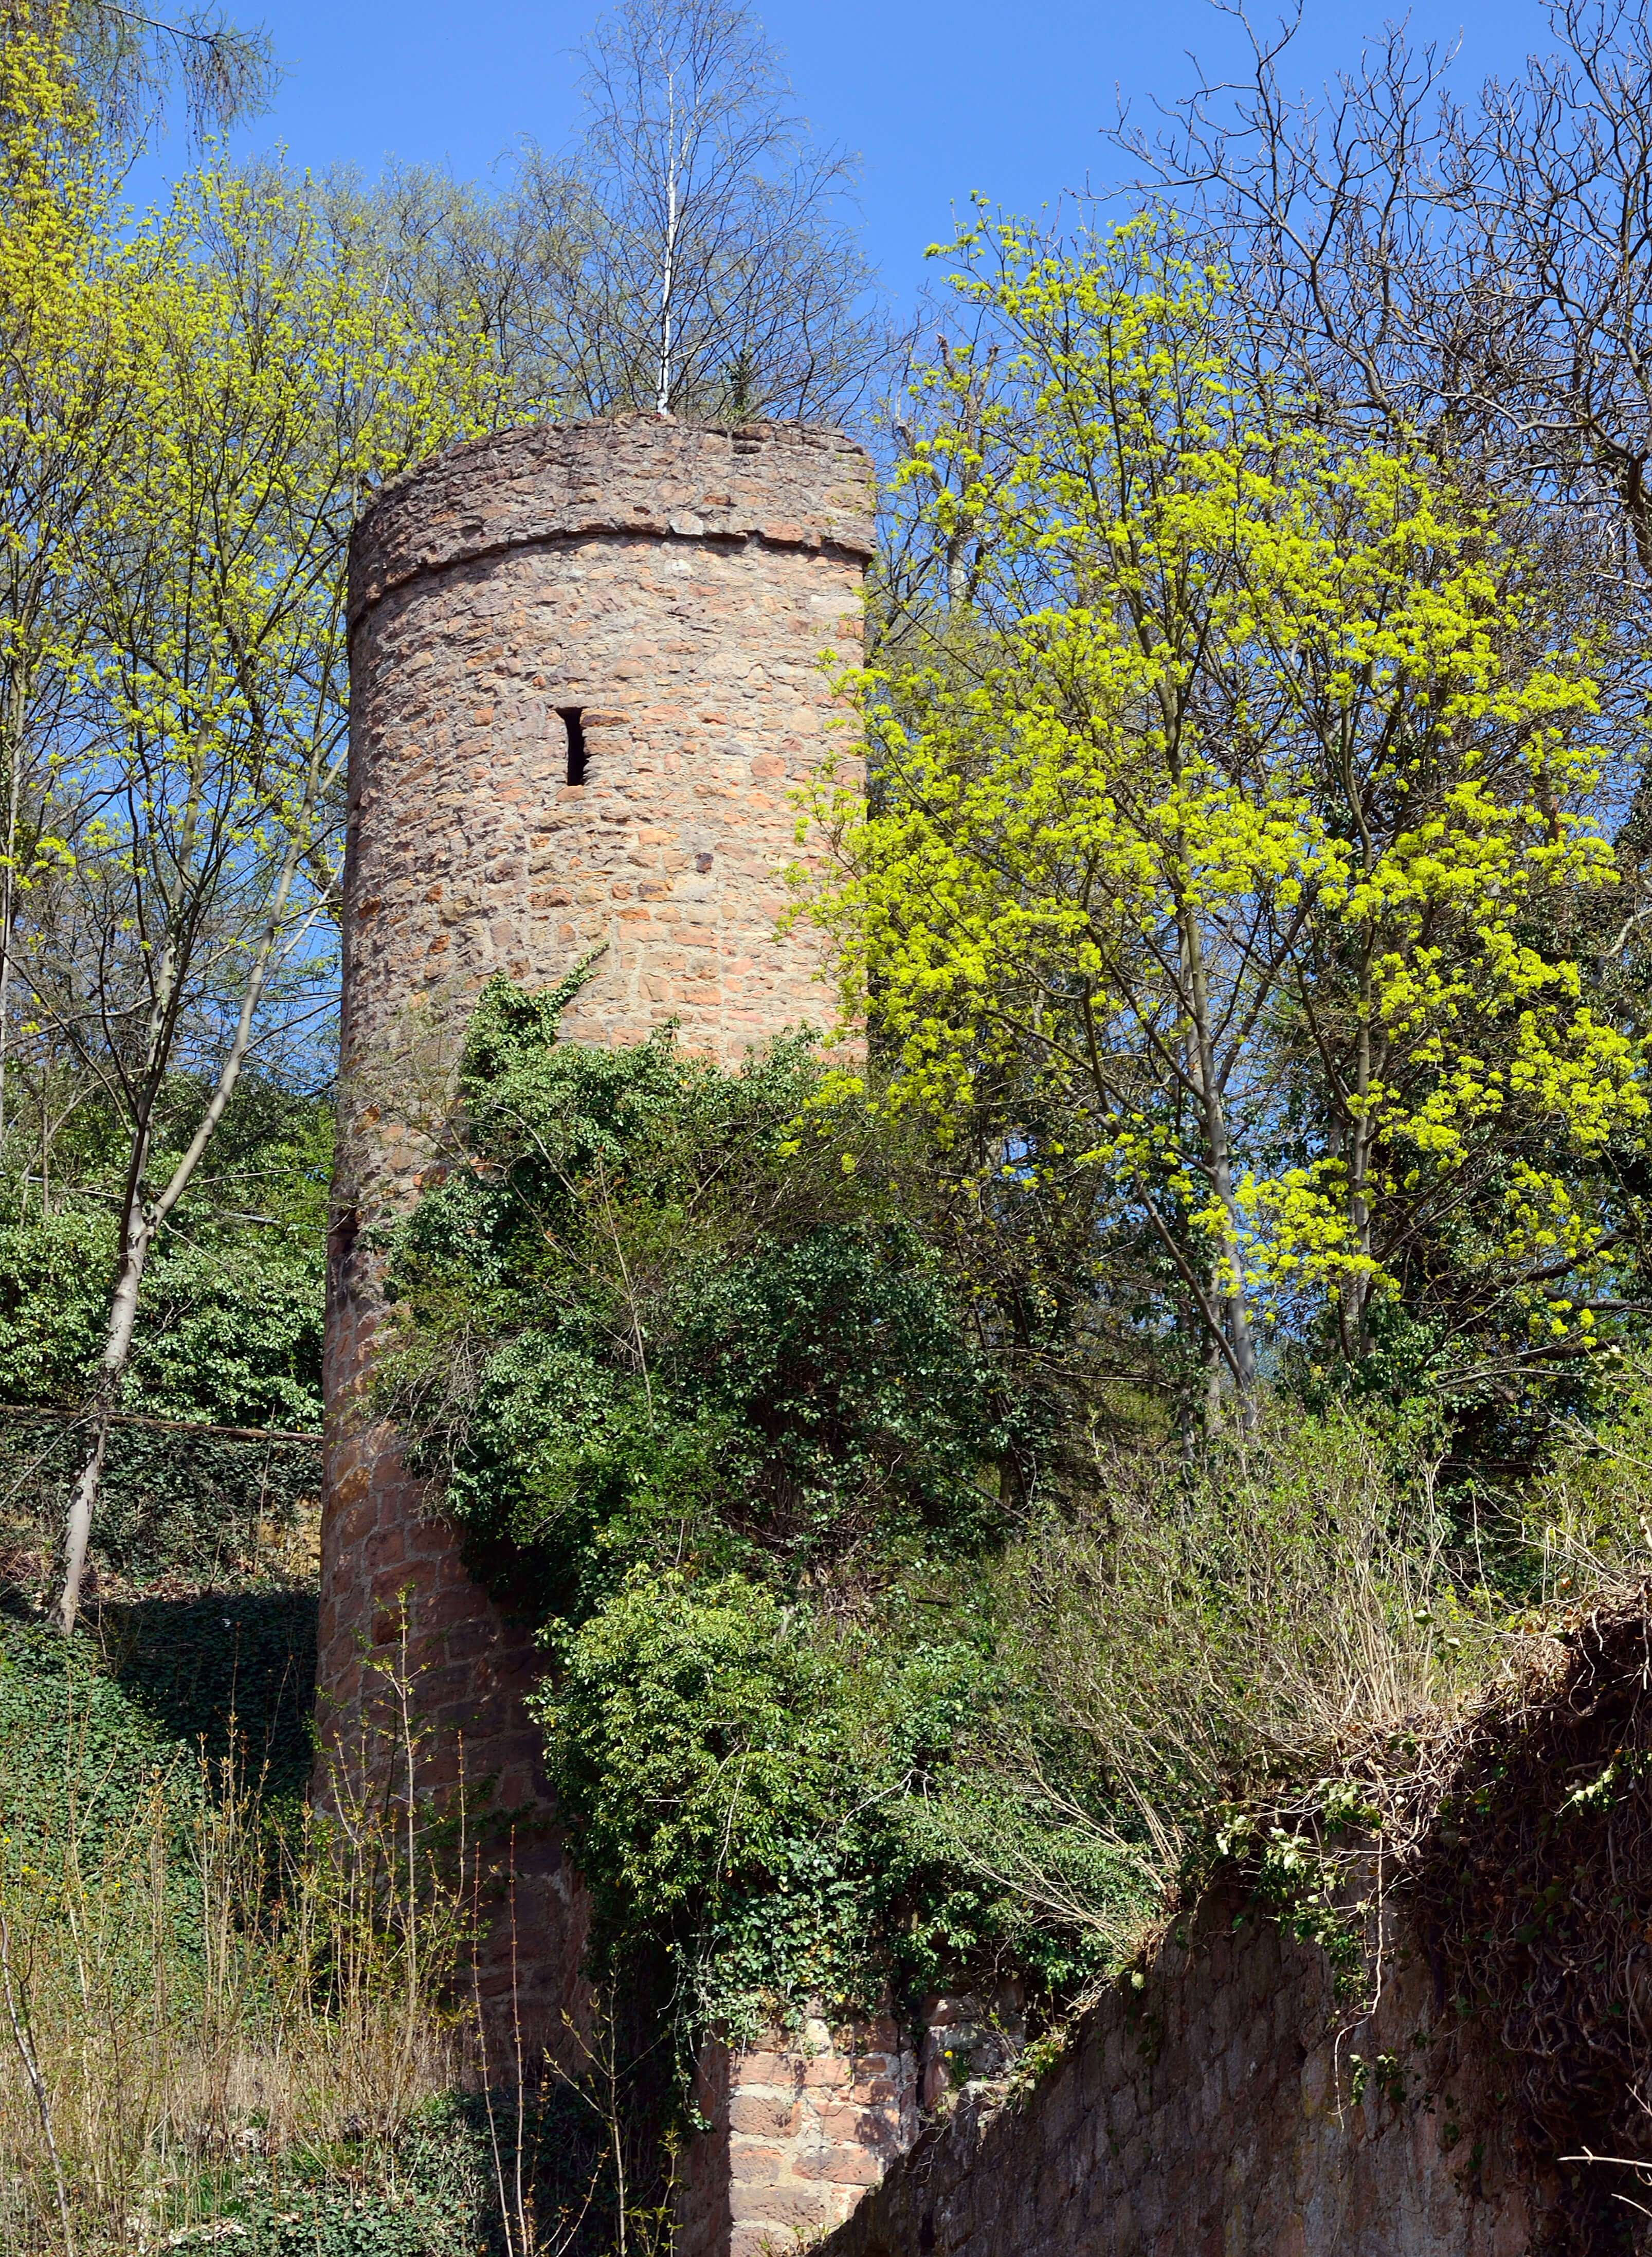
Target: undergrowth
{"points": [[882, 1657], [228, 2012]]}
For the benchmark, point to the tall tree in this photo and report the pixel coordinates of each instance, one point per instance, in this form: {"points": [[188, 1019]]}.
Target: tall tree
{"points": [[130, 63], [65, 392], [1476, 270], [451, 256], [253, 384], [717, 273], [1241, 827]]}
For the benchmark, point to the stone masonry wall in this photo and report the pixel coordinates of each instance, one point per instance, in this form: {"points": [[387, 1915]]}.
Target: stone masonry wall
{"points": [[673, 589], [803, 2124], [1213, 2113]]}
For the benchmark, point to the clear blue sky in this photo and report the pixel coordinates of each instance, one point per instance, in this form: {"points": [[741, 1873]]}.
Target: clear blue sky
{"points": [[939, 97]]}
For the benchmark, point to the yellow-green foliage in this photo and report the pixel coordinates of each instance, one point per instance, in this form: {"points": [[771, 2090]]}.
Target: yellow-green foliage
{"points": [[195, 409], [1242, 765]]}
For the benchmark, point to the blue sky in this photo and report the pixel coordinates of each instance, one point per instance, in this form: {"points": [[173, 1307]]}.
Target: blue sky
{"points": [[938, 99]]}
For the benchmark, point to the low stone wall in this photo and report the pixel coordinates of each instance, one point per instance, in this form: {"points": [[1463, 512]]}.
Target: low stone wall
{"points": [[1229, 2107]]}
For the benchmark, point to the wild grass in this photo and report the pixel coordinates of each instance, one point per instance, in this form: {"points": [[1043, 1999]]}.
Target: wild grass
{"points": [[202, 1996], [1206, 1632], [229, 2013], [1296, 1647], [1270, 1651]]}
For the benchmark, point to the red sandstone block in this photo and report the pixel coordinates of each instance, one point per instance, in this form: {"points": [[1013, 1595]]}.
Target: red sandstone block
{"points": [[385, 1549], [840, 2166], [342, 1685], [416, 1578], [470, 1641], [779, 2208], [857, 2127], [353, 1525], [764, 2118], [761, 2241], [753, 2164], [827, 2068]]}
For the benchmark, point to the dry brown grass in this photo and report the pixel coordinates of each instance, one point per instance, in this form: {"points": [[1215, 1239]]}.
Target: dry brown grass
{"points": [[190, 1994], [1284, 1652], [1289, 1667]]}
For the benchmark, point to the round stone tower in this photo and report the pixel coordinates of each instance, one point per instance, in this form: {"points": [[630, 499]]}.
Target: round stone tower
{"points": [[586, 675]]}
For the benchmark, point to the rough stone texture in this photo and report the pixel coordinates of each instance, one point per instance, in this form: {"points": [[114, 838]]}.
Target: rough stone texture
{"points": [[801, 2127], [635, 475], [1211, 2114], [676, 588]]}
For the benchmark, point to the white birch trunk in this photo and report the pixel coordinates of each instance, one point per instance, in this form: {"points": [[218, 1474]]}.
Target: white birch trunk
{"points": [[117, 1347], [662, 397]]}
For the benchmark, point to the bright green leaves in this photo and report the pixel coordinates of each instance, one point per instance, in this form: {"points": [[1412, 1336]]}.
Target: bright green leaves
{"points": [[781, 1805], [692, 1735], [688, 1334], [1238, 795]]}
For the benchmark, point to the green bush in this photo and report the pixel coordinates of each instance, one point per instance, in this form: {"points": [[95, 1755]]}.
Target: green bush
{"points": [[698, 1351], [437, 2204], [648, 1317], [229, 1335], [780, 1806]]}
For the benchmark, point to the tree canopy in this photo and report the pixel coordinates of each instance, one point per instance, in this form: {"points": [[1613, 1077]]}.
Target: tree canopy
{"points": [[1241, 834]]}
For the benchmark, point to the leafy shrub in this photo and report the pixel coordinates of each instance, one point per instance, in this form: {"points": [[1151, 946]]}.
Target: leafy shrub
{"points": [[646, 1317], [779, 1804], [231, 1313], [436, 2204], [692, 1346]]}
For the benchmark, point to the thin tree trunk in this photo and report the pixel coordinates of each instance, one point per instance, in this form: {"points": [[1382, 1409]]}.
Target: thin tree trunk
{"points": [[662, 401], [117, 1347], [143, 1221], [1219, 1161], [11, 735], [1359, 1162]]}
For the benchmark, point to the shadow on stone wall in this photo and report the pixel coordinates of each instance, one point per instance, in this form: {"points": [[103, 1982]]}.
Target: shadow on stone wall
{"points": [[1230, 2106]]}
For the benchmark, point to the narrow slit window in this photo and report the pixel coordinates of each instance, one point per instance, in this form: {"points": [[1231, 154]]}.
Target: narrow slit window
{"points": [[573, 720]]}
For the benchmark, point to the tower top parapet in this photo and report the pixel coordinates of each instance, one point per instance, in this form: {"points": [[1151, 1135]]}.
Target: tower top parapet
{"points": [[787, 485]]}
